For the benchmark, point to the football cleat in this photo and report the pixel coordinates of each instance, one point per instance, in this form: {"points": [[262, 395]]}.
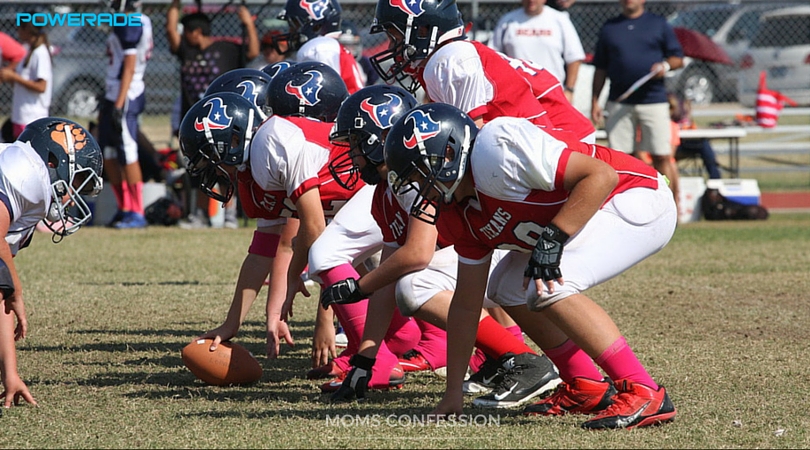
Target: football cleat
{"points": [[328, 370], [488, 376], [581, 396], [413, 361], [635, 405], [525, 376]]}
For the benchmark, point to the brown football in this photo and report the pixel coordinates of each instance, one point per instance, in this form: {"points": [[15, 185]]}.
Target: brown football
{"points": [[230, 363]]}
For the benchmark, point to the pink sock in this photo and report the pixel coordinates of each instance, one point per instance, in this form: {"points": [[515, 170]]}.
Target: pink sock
{"points": [[433, 344], [126, 198], [572, 362], [136, 197], [403, 334], [119, 195], [620, 363], [353, 319], [477, 360]]}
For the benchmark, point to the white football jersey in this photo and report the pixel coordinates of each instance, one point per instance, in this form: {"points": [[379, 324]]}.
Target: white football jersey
{"points": [[25, 190], [128, 40]]}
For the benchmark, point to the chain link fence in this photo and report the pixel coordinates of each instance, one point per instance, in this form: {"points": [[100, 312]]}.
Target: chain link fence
{"points": [[79, 52]]}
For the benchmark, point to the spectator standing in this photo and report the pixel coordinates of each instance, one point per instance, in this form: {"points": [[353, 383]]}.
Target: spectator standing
{"points": [[128, 48], [202, 59], [32, 79], [630, 46], [543, 36]]}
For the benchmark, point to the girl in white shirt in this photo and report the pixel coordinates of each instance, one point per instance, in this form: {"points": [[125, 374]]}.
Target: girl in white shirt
{"points": [[32, 78]]}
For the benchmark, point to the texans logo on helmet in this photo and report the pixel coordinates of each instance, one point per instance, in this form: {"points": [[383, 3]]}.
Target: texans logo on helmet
{"points": [[218, 118], [278, 67], [307, 92], [315, 9], [424, 128], [249, 91], [381, 114], [410, 7]]}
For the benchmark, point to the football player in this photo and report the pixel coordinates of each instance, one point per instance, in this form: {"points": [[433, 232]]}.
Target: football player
{"points": [[413, 275], [569, 210], [428, 48], [43, 175], [283, 180], [129, 47], [314, 30]]}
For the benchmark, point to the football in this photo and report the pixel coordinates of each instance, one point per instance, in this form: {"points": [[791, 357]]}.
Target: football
{"points": [[230, 363]]}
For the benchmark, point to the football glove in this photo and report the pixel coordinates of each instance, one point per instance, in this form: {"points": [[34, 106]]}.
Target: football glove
{"points": [[356, 383], [342, 293], [545, 260]]}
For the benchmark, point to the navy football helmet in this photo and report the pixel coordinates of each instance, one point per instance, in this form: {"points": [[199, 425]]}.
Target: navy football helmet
{"points": [[429, 147], [361, 123], [75, 165], [310, 89], [249, 83], [308, 19], [414, 29], [216, 132], [273, 69]]}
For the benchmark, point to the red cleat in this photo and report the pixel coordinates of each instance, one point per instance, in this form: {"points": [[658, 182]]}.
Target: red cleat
{"points": [[636, 405]]}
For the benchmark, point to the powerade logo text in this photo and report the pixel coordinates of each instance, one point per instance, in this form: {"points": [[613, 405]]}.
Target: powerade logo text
{"points": [[80, 19]]}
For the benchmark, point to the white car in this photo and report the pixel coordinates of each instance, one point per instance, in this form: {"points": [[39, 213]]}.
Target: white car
{"points": [[731, 26], [781, 48]]}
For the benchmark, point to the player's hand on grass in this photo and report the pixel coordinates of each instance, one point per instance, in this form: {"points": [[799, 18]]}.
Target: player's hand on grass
{"points": [[323, 343], [276, 331], [448, 406], [356, 383], [15, 390]]}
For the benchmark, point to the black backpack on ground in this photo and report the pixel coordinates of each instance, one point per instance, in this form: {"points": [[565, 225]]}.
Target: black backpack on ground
{"points": [[717, 207]]}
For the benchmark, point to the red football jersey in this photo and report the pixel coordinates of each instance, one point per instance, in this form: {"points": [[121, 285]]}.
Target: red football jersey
{"points": [[289, 156], [391, 212], [519, 186]]}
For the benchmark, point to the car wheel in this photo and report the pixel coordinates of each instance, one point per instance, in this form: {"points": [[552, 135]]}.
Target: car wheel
{"points": [[699, 86], [81, 100]]}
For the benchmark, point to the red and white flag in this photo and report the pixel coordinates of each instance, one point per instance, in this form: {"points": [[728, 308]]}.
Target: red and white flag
{"points": [[769, 103]]}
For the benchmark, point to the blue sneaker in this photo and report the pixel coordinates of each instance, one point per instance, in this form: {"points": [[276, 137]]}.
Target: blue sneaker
{"points": [[131, 220]]}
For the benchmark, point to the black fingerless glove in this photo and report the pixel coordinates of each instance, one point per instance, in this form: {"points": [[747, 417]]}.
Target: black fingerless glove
{"points": [[545, 260], [342, 293]]}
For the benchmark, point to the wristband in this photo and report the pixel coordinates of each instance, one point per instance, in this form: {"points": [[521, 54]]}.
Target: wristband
{"points": [[666, 66], [569, 89], [556, 234], [264, 244]]}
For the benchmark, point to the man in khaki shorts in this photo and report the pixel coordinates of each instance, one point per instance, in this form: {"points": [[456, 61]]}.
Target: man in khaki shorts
{"points": [[631, 46]]}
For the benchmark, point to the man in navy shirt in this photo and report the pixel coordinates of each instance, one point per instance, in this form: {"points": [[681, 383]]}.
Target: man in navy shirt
{"points": [[632, 45]]}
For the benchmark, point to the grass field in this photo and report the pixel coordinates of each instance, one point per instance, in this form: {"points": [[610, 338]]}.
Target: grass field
{"points": [[719, 317]]}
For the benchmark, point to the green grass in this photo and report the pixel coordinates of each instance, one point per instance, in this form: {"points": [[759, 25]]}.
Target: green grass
{"points": [[719, 317]]}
